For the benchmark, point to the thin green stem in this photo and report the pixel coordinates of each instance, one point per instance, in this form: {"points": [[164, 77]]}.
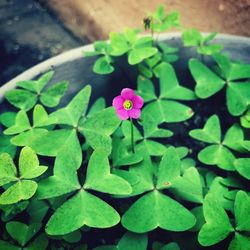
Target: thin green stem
{"points": [[152, 31], [132, 136]]}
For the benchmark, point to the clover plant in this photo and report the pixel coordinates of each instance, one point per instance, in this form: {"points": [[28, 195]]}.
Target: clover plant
{"points": [[165, 166]]}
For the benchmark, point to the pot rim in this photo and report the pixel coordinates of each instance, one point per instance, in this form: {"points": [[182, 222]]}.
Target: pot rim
{"points": [[77, 53]]}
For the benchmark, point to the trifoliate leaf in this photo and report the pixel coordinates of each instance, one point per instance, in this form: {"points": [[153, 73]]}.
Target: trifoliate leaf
{"points": [[157, 210], [82, 209]]}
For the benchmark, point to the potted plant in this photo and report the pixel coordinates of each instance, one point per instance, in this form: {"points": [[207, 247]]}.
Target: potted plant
{"points": [[153, 154]]}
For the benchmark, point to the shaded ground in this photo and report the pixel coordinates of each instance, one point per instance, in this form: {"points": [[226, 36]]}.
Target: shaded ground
{"points": [[29, 35]]}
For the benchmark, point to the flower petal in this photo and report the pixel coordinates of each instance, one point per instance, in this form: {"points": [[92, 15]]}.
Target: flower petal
{"points": [[127, 93], [137, 101], [122, 113], [134, 113], [118, 102]]}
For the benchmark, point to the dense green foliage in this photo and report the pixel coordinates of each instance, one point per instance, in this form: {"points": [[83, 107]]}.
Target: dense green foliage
{"points": [[70, 172]]}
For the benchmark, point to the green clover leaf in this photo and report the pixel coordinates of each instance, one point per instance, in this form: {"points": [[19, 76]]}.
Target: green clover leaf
{"points": [[32, 91], [98, 128], [29, 168], [64, 179], [155, 209], [217, 226], [164, 109], [85, 209], [208, 83], [192, 37], [217, 153], [21, 232]]}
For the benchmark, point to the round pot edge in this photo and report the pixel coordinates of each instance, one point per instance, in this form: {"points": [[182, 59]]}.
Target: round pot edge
{"points": [[76, 53]]}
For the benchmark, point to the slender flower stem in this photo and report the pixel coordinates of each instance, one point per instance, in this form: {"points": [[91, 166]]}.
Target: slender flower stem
{"points": [[152, 35], [132, 136]]}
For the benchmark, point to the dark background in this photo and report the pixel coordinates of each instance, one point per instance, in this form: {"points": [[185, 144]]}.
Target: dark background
{"points": [[29, 34]]}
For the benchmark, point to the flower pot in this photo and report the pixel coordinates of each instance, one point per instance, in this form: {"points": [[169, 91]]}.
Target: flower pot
{"points": [[76, 69]]}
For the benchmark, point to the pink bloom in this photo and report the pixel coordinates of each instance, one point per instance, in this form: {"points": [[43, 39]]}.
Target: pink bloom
{"points": [[128, 105]]}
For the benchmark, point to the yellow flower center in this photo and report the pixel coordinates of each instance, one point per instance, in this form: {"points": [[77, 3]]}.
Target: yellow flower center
{"points": [[128, 105]]}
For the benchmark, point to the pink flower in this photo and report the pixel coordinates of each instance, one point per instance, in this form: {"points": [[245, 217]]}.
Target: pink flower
{"points": [[128, 105]]}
